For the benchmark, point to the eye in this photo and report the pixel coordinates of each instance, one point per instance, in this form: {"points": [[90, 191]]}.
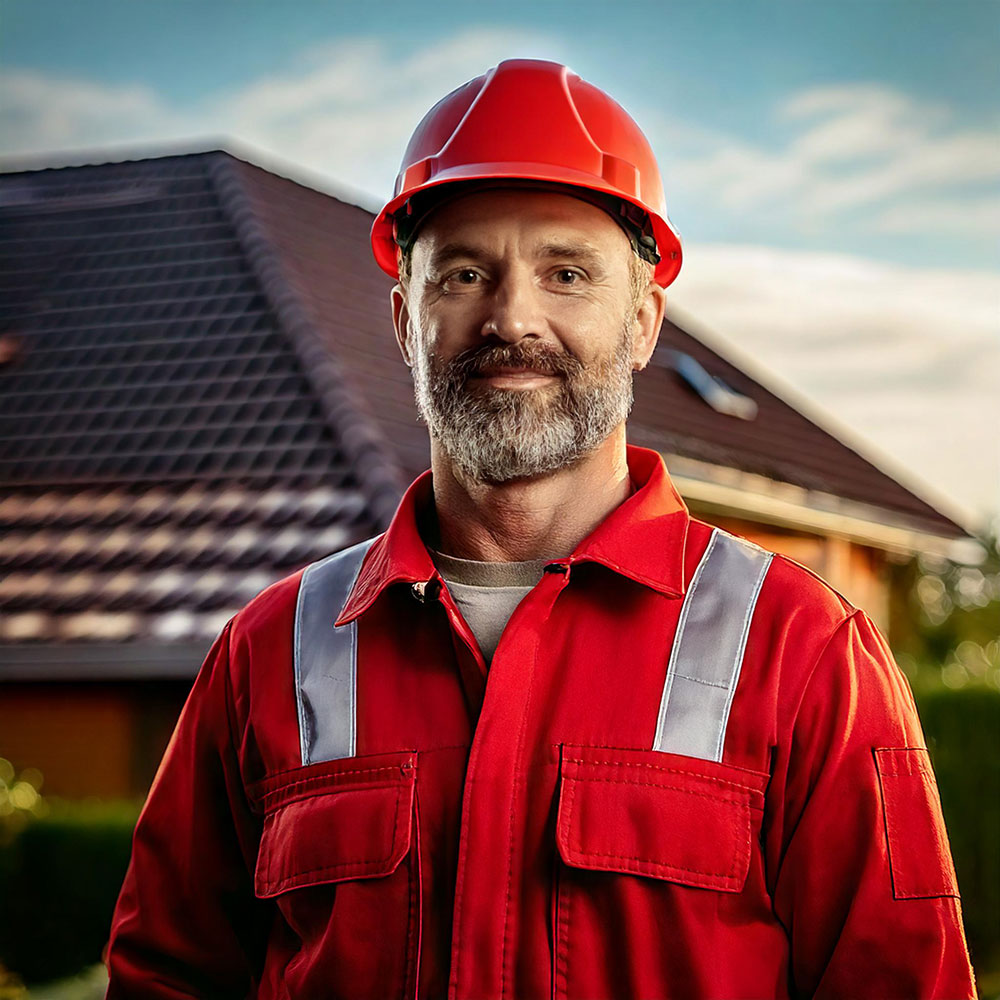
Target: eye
{"points": [[567, 276], [461, 278]]}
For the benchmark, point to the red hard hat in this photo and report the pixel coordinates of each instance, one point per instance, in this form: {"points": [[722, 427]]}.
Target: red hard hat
{"points": [[532, 120]]}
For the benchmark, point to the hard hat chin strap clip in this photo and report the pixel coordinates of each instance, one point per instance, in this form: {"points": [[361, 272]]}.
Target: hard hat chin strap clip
{"points": [[638, 229]]}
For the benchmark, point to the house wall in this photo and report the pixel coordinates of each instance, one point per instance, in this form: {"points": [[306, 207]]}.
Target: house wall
{"points": [[100, 739]]}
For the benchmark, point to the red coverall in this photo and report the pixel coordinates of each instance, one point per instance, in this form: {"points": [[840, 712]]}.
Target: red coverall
{"points": [[514, 834]]}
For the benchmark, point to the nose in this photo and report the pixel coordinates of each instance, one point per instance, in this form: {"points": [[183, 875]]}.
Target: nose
{"points": [[514, 310]]}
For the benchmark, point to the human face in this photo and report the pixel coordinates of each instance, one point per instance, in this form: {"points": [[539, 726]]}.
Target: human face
{"points": [[522, 331]]}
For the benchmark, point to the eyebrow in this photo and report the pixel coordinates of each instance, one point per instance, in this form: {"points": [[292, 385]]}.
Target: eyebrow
{"points": [[580, 253], [454, 251]]}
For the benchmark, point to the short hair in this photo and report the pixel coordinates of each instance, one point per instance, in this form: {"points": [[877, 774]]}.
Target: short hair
{"points": [[404, 256], [640, 273]]}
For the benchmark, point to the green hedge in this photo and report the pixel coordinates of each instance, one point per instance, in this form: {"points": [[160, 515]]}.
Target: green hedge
{"points": [[963, 733], [59, 879]]}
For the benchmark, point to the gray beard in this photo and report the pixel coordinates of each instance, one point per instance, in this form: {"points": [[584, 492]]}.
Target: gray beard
{"points": [[498, 435]]}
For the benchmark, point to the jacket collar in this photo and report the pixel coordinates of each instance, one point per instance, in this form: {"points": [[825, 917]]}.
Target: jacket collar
{"points": [[643, 538]]}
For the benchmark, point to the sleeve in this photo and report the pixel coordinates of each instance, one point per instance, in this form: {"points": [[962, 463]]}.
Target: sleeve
{"points": [[187, 922], [864, 879]]}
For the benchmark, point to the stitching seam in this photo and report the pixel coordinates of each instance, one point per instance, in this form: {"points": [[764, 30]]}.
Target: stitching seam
{"points": [[659, 767], [701, 680], [738, 857], [272, 883], [657, 784]]}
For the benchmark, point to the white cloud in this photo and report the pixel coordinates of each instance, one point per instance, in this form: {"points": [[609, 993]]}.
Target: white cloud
{"points": [[42, 113], [344, 109], [859, 147], [906, 358], [349, 112], [941, 215]]}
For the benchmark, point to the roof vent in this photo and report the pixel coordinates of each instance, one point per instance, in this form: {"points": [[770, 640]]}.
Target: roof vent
{"points": [[721, 396]]}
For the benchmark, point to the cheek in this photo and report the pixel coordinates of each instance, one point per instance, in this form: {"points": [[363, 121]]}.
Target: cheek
{"points": [[594, 339], [445, 330]]}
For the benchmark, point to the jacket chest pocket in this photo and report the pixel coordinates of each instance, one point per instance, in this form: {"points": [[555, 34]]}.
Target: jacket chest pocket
{"points": [[339, 854], [652, 847]]}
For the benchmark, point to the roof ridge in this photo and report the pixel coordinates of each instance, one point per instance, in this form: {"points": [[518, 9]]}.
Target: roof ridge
{"points": [[368, 452], [15, 165]]}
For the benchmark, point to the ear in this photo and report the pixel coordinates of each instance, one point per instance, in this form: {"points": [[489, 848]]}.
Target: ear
{"points": [[646, 328], [401, 322]]}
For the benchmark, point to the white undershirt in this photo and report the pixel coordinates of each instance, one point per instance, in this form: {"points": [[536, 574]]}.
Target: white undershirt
{"points": [[487, 593]]}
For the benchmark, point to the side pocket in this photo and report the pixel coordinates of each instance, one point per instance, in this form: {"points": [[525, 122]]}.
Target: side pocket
{"points": [[336, 825], [339, 855], [919, 855], [665, 817]]}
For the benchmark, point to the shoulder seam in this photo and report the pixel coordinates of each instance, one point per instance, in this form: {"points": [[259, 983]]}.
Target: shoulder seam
{"points": [[849, 609], [834, 632]]}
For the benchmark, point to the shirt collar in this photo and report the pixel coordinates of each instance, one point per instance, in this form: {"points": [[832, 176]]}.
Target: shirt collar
{"points": [[643, 538]]}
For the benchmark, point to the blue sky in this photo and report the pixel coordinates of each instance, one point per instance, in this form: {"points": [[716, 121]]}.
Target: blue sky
{"points": [[833, 167]]}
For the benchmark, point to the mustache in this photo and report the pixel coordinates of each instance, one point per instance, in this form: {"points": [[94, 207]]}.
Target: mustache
{"points": [[474, 360]]}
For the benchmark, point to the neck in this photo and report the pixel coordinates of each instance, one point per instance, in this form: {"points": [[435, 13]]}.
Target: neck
{"points": [[540, 518]]}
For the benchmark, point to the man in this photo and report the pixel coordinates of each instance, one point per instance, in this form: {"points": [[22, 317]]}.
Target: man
{"points": [[548, 735]]}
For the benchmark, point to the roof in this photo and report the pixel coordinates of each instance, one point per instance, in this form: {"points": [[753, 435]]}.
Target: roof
{"points": [[787, 458], [200, 392], [173, 435]]}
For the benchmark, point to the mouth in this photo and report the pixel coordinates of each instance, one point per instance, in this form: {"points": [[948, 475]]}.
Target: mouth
{"points": [[514, 377]]}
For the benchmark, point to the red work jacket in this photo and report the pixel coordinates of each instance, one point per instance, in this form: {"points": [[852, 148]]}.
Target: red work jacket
{"points": [[540, 829]]}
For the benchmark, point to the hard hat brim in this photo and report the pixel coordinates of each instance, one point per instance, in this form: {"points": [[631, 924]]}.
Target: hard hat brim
{"points": [[384, 244]]}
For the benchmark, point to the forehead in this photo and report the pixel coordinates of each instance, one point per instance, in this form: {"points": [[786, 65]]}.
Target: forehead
{"points": [[530, 222]]}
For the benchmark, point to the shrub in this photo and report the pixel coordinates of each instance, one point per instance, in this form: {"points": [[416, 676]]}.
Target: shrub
{"points": [[59, 880], [962, 727]]}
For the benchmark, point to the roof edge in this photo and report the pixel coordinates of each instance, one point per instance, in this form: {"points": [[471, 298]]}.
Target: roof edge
{"points": [[371, 458], [816, 414], [116, 154], [100, 661], [714, 489]]}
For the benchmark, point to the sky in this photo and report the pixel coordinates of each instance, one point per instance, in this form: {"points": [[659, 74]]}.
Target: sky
{"points": [[833, 166]]}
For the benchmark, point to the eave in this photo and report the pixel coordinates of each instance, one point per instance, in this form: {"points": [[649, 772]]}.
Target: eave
{"points": [[717, 490]]}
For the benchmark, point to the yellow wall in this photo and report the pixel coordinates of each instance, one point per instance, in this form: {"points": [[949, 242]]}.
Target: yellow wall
{"points": [[89, 739]]}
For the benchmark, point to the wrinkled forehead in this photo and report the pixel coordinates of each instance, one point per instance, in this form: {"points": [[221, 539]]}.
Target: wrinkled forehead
{"points": [[534, 221]]}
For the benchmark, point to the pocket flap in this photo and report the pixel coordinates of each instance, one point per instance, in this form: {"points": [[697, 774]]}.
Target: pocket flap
{"points": [[343, 819], [657, 814], [919, 855]]}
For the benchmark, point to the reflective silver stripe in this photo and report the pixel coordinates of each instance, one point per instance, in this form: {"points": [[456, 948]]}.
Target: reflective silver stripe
{"points": [[326, 657], [708, 649]]}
